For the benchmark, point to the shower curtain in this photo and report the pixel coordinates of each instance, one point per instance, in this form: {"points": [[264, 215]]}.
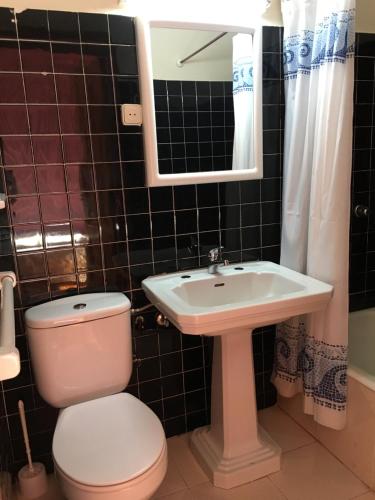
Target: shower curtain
{"points": [[311, 351], [243, 102]]}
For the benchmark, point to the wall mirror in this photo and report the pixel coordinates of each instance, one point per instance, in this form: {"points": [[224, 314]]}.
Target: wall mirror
{"points": [[201, 92]]}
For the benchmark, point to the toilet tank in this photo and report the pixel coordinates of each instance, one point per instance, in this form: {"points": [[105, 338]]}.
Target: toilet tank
{"points": [[80, 347]]}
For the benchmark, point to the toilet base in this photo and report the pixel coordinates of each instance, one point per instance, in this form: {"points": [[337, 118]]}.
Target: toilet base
{"points": [[231, 472], [140, 488]]}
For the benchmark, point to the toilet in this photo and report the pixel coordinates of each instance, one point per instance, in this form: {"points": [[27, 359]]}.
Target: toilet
{"points": [[107, 444]]}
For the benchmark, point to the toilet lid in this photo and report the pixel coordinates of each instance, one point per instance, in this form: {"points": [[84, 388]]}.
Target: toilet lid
{"points": [[107, 441]]}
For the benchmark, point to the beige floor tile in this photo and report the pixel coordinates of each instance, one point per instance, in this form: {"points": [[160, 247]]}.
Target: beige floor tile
{"points": [[263, 489], [367, 496], [180, 495], [180, 453], [312, 473], [285, 431], [173, 481]]}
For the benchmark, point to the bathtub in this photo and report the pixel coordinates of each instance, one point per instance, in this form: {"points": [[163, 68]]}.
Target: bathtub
{"points": [[355, 445], [362, 347]]}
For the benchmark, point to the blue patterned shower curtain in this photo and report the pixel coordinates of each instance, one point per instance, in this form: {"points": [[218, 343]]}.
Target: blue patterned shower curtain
{"points": [[311, 351]]}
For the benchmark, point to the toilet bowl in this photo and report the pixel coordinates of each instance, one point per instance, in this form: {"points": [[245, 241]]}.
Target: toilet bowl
{"points": [[107, 444], [112, 447]]}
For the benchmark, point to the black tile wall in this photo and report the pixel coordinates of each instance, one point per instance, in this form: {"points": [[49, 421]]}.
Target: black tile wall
{"points": [[79, 218], [362, 234], [195, 125]]}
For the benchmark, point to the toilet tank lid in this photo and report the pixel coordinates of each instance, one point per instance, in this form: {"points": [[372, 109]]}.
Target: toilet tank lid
{"points": [[76, 309]]}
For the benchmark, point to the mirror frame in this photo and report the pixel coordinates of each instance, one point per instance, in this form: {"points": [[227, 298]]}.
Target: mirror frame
{"points": [[153, 177]]}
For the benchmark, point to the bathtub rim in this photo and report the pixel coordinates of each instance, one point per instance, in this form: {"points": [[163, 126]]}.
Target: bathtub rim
{"points": [[362, 377]]}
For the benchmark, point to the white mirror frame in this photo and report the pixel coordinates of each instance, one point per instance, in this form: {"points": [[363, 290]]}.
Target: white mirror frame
{"points": [[153, 177]]}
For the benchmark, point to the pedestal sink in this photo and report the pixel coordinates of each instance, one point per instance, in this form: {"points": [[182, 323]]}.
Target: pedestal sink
{"points": [[234, 449]]}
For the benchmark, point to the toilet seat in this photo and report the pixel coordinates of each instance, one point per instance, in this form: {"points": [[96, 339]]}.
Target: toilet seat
{"points": [[141, 488], [107, 441]]}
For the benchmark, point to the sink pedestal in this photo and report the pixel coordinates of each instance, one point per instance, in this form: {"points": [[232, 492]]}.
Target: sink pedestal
{"points": [[234, 449]]}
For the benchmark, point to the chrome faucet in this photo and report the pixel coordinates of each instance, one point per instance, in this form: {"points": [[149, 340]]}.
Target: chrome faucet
{"points": [[215, 257]]}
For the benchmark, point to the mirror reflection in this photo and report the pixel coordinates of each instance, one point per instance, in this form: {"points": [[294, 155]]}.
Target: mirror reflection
{"points": [[204, 100]]}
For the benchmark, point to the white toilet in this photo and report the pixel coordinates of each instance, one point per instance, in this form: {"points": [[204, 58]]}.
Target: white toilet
{"points": [[107, 444]]}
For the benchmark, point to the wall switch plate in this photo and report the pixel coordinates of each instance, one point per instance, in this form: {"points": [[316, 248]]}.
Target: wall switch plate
{"points": [[131, 114]]}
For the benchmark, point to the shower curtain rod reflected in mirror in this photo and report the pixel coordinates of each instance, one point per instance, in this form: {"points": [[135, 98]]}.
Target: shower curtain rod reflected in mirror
{"points": [[180, 62]]}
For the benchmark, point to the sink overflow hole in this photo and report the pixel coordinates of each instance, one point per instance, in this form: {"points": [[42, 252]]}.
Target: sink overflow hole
{"points": [[238, 268], [219, 284], [185, 276]]}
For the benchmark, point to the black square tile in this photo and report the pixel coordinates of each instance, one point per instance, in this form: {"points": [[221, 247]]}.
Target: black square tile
{"points": [[88, 258], [36, 56], [137, 201], [161, 199], [94, 28], [131, 147], [7, 23], [67, 58], [271, 39], [160, 87], [34, 292], [365, 44], [164, 248], [138, 273], [16, 150], [82, 205], [147, 346], [149, 369], [9, 56], [96, 59], [195, 401], [105, 148], [193, 358], [121, 30], [171, 364], [186, 221], [99, 89], [11, 88], [138, 226], [150, 391], [174, 406], [40, 88], [365, 68], [117, 280], [271, 234], [124, 60], [110, 203], [127, 90], [20, 180], [33, 24], [13, 120], [184, 197], [63, 26], [115, 255], [208, 195], [162, 224]]}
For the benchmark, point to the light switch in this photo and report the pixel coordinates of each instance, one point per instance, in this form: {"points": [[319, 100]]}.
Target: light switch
{"points": [[131, 114]]}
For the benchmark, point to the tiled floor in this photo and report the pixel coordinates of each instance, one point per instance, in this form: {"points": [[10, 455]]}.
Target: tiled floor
{"points": [[308, 471]]}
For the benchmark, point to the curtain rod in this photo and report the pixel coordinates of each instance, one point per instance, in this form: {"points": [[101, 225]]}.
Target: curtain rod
{"points": [[180, 62]]}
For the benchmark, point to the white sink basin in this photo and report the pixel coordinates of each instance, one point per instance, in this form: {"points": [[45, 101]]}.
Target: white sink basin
{"points": [[234, 449], [250, 294]]}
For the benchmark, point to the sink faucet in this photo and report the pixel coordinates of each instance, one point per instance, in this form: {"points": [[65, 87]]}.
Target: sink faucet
{"points": [[215, 257]]}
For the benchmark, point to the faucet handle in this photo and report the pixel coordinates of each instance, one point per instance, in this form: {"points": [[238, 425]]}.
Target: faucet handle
{"points": [[214, 254]]}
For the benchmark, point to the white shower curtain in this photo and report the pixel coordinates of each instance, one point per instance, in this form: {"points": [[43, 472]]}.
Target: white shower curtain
{"points": [[311, 352], [243, 102]]}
